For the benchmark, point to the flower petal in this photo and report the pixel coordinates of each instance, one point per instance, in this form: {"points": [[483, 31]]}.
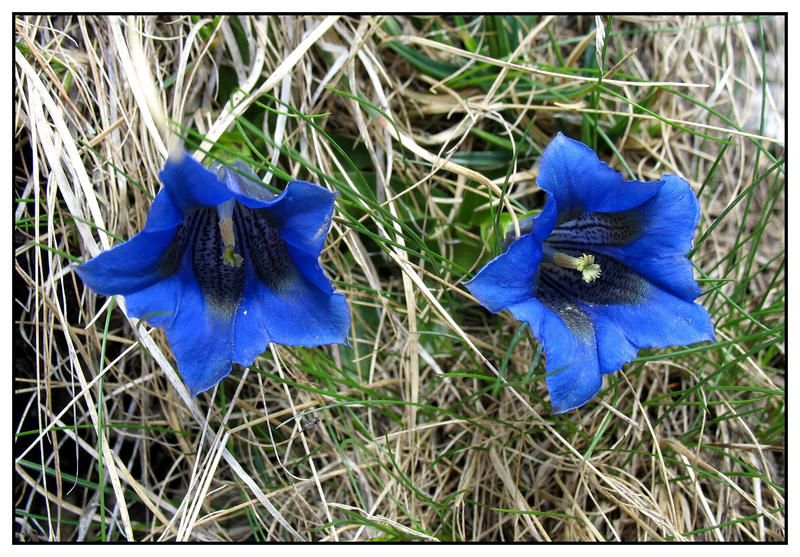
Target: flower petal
{"points": [[302, 213], [158, 303], [251, 336], [666, 225], [261, 308], [163, 213], [287, 298], [137, 263], [299, 314], [566, 333], [580, 183], [545, 222], [509, 278], [201, 339], [309, 266], [191, 185], [658, 320], [243, 183]]}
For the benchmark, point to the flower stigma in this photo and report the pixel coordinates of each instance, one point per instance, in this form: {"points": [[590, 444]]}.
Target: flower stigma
{"points": [[229, 255], [590, 271]]}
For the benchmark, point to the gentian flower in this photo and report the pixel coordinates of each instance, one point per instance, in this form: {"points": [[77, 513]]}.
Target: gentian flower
{"points": [[226, 267], [600, 273]]}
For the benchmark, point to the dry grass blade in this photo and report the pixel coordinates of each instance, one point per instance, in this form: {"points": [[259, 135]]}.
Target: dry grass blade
{"points": [[239, 105]]}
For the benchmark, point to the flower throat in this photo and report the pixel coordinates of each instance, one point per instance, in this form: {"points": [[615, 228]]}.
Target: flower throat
{"points": [[590, 271]]}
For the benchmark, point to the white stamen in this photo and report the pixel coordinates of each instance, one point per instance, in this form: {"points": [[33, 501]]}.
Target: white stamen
{"points": [[225, 213], [226, 229]]}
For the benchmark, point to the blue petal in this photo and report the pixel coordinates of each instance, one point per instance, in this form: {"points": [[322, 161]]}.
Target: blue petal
{"points": [[296, 314], [128, 267], [251, 336], [659, 320], [158, 303], [135, 264], [244, 184], [579, 182], [566, 333], [308, 265], [287, 298], [509, 278], [545, 221], [667, 224], [163, 214], [201, 340], [191, 185], [302, 212], [315, 316]]}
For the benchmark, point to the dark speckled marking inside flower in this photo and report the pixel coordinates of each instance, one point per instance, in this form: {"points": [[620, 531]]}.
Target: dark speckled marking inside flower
{"points": [[618, 284], [267, 249], [563, 289], [573, 317], [596, 229], [221, 283], [171, 258]]}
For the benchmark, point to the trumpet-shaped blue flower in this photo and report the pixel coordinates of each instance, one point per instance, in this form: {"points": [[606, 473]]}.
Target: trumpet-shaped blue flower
{"points": [[225, 267], [600, 273]]}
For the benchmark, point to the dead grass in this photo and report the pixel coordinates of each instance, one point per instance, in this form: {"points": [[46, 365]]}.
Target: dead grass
{"points": [[431, 427]]}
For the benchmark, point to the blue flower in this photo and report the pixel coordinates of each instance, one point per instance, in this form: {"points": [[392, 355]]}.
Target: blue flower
{"points": [[225, 267], [600, 273]]}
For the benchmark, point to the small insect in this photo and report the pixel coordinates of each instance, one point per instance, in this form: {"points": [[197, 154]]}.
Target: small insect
{"points": [[310, 424]]}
